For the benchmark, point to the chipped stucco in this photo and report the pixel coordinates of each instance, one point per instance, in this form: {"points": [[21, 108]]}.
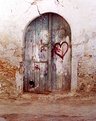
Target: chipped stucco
{"points": [[15, 15]]}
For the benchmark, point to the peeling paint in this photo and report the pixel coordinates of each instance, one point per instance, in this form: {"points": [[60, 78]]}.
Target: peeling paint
{"points": [[81, 16], [7, 78]]}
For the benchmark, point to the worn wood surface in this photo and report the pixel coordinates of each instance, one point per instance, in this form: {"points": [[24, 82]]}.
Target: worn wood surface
{"points": [[47, 57]]}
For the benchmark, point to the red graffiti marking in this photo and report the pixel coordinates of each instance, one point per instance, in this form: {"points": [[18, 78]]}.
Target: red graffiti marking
{"points": [[61, 49], [43, 46], [37, 67]]}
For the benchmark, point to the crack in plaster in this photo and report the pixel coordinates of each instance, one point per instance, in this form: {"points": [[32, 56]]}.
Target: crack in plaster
{"points": [[38, 9], [59, 2], [34, 3]]}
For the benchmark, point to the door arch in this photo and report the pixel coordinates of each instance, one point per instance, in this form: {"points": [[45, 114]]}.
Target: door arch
{"points": [[47, 54]]}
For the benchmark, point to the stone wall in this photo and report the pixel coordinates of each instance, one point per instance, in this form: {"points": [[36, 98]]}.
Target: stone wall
{"points": [[10, 58], [15, 17], [7, 79], [87, 67], [87, 74]]}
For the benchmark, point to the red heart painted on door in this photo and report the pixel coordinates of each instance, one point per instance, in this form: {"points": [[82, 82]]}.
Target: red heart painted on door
{"points": [[61, 49]]}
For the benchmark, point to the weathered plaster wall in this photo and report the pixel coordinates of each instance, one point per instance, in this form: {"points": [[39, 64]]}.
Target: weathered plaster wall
{"points": [[14, 18]]}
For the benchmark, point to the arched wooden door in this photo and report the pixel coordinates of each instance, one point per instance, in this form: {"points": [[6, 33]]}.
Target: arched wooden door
{"points": [[47, 54]]}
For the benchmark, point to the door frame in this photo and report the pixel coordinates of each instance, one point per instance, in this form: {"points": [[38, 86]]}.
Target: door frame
{"points": [[24, 43]]}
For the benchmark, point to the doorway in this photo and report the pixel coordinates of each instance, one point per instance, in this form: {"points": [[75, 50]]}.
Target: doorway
{"points": [[47, 54]]}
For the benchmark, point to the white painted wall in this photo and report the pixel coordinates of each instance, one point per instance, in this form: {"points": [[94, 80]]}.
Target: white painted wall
{"points": [[80, 14]]}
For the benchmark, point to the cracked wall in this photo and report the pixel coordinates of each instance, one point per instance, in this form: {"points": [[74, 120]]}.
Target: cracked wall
{"points": [[87, 67], [17, 14], [10, 58]]}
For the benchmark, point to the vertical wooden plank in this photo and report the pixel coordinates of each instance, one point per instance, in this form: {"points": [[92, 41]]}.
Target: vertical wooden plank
{"points": [[55, 27], [59, 35], [49, 54], [26, 63], [45, 39], [31, 53], [61, 38], [66, 83], [28, 55], [57, 62], [41, 41], [38, 39]]}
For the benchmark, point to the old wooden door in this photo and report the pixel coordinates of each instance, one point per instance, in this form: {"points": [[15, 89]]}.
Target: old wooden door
{"points": [[47, 56]]}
